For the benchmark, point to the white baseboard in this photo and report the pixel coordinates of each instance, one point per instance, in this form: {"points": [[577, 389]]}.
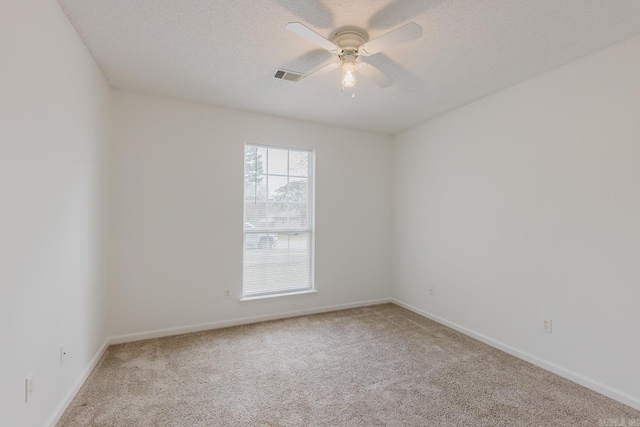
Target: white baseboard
{"points": [[552, 367], [159, 333], [57, 414]]}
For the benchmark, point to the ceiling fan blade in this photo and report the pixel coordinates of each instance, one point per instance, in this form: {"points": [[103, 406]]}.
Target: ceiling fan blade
{"points": [[375, 75], [398, 36], [324, 68], [315, 38]]}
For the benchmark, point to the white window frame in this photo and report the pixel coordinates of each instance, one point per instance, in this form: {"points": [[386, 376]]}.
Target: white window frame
{"points": [[310, 229]]}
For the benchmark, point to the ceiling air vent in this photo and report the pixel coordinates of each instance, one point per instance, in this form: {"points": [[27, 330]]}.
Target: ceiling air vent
{"points": [[291, 76]]}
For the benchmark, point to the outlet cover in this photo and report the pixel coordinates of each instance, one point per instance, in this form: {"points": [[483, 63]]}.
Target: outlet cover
{"points": [[546, 325]]}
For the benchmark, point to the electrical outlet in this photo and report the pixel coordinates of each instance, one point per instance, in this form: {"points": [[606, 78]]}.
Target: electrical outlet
{"points": [[546, 325], [28, 387], [63, 354], [227, 294], [432, 291]]}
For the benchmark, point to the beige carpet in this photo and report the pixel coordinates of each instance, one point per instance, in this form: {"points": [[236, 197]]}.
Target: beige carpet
{"points": [[373, 366]]}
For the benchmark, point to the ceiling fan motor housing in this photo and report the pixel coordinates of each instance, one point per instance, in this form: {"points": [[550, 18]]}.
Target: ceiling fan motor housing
{"points": [[349, 39]]}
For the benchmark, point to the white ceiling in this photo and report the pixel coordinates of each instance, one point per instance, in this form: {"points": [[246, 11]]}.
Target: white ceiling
{"points": [[224, 52]]}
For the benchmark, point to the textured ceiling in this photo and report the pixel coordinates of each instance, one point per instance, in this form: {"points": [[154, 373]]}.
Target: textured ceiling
{"points": [[224, 52]]}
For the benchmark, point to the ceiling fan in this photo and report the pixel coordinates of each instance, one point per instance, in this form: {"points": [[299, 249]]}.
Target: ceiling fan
{"points": [[349, 44]]}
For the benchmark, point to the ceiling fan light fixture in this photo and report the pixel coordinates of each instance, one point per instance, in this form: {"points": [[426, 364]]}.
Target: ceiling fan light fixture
{"points": [[348, 74], [349, 67]]}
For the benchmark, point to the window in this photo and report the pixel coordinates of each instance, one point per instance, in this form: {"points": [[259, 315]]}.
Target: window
{"points": [[278, 220]]}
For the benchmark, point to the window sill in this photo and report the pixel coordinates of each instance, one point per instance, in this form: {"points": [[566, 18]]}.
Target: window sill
{"points": [[283, 294]]}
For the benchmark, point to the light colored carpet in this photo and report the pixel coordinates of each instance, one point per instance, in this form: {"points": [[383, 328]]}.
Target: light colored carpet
{"points": [[373, 366]]}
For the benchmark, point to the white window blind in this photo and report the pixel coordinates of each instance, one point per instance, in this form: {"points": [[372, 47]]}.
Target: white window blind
{"points": [[278, 220]]}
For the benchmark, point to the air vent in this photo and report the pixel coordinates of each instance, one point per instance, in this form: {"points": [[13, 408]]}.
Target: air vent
{"points": [[291, 76]]}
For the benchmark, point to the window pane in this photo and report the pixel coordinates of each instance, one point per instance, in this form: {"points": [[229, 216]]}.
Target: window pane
{"points": [[298, 163], [276, 262], [278, 161], [255, 200], [278, 188], [293, 211]]}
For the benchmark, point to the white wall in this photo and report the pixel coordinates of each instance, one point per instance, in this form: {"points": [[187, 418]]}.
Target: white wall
{"points": [[54, 128], [177, 213], [526, 204]]}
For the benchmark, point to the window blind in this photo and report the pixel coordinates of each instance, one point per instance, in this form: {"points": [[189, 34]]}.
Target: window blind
{"points": [[278, 214]]}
